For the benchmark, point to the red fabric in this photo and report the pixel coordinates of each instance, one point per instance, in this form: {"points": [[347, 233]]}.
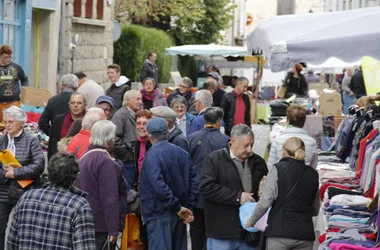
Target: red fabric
{"points": [[148, 96], [371, 191], [362, 146], [324, 187], [79, 143], [322, 238], [66, 124], [239, 117], [33, 117]]}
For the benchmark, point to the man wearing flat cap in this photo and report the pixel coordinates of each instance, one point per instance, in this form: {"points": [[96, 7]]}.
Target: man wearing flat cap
{"points": [[169, 189], [175, 133]]}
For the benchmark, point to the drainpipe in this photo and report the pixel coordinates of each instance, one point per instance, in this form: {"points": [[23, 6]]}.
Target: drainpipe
{"points": [[61, 48], [233, 25]]}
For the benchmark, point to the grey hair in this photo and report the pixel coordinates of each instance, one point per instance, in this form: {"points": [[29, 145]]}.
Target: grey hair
{"points": [[160, 137], [69, 81], [241, 130], [81, 94], [17, 113], [178, 100], [93, 115], [102, 133], [129, 95], [205, 97], [187, 81]]}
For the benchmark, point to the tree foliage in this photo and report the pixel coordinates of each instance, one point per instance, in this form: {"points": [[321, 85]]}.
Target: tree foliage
{"points": [[188, 21]]}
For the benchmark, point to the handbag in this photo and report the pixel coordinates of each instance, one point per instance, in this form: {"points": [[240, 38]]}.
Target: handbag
{"points": [[108, 245], [263, 240], [133, 201], [15, 191]]}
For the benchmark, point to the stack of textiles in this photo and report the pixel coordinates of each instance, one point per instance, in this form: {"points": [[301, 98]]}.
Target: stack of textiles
{"points": [[350, 223], [33, 113]]}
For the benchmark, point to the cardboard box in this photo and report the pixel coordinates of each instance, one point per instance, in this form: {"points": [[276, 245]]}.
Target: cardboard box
{"points": [[318, 87], [34, 96], [330, 104]]}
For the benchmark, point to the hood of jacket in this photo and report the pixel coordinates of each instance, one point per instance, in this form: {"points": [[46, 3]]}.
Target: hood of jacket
{"points": [[149, 62], [122, 80]]}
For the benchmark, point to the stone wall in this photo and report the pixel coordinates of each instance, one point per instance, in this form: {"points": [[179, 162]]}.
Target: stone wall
{"points": [[94, 50]]}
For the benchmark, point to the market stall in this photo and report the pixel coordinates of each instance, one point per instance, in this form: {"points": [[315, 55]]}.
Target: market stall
{"points": [[348, 176]]}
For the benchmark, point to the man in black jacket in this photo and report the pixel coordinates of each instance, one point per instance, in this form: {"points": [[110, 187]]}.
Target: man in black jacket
{"points": [[58, 104], [357, 84], [236, 106], [229, 178], [150, 68]]}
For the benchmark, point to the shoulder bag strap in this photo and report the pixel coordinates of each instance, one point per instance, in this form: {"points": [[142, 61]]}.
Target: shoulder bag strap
{"points": [[291, 191], [95, 150], [195, 150]]}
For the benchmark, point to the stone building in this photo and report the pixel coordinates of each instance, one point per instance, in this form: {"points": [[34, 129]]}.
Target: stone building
{"points": [[33, 28], [339, 5]]}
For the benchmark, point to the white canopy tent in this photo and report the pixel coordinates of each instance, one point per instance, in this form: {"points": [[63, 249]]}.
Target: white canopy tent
{"points": [[316, 37], [207, 50]]}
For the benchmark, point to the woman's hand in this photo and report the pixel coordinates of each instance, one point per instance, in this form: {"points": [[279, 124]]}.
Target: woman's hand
{"points": [[10, 174], [248, 223]]}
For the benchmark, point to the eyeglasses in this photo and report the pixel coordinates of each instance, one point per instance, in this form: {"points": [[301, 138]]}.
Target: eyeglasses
{"points": [[194, 102], [183, 86]]}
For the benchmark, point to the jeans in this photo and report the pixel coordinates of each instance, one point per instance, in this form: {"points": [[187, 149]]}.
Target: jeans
{"points": [[220, 244], [168, 233], [285, 244], [347, 102], [198, 230], [129, 174], [5, 210]]}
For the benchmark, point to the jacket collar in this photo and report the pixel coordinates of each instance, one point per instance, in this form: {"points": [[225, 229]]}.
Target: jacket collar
{"points": [[176, 131], [254, 157], [294, 130], [71, 189]]}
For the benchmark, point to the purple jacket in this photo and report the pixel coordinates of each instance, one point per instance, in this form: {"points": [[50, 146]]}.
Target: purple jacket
{"points": [[159, 99], [101, 177]]}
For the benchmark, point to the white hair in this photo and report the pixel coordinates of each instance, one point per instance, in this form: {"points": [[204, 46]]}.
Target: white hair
{"points": [[241, 130], [17, 113], [93, 115], [205, 97], [129, 95], [69, 81], [102, 133]]}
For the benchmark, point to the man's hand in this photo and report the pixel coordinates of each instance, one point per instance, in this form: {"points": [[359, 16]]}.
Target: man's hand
{"points": [[351, 94], [112, 239], [9, 174], [186, 215], [245, 197]]}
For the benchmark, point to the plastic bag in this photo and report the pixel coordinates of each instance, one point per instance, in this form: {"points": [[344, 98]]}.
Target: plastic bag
{"points": [[246, 211]]}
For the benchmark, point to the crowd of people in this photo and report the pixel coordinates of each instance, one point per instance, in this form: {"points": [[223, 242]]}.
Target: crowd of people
{"points": [[187, 159]]}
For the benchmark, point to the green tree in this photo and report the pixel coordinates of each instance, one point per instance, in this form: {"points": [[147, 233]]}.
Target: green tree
{"points": [[188, 21]]}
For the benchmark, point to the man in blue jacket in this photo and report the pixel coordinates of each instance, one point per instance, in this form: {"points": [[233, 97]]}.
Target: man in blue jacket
{"points": [[169, 189], [203, 143]]}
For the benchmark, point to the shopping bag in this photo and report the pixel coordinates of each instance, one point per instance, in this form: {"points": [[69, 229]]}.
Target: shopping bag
{"points": [[109, 246], [282, 91], [245, 212], [130, 239]]}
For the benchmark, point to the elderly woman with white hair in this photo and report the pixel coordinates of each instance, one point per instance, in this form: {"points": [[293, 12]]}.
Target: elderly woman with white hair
{"points": [[101, 177], [28, 152], [79, 143]]}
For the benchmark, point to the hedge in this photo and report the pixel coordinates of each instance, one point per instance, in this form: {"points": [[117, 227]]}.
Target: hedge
{"points": [[187, 66], [133, 46]]}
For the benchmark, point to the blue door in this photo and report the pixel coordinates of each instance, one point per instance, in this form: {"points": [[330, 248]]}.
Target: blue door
{"points": [[15, 29]]}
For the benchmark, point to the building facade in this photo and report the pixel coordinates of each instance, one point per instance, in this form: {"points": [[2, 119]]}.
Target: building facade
{"points": [[42, 34], [339, 5]]}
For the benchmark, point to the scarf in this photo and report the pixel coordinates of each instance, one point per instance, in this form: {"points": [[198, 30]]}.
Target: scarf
{"points": [[11, 143], [141, 157], [148, 96]]}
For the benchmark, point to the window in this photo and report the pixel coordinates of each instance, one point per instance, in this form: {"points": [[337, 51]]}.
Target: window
{"points": [[87, 10]]}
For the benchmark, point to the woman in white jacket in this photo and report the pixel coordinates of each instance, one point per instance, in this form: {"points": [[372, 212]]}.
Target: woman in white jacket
{"points": [[296, 116]]}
